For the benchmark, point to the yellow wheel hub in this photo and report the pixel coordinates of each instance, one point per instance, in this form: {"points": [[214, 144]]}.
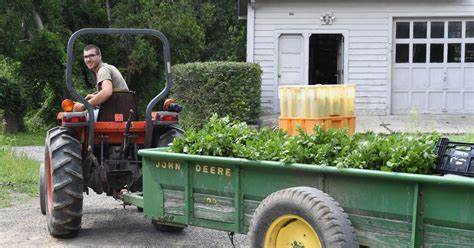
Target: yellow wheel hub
{"points": [[291, 231]]}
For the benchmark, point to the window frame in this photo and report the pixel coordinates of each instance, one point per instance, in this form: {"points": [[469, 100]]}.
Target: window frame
{"points": [[463, 40]]}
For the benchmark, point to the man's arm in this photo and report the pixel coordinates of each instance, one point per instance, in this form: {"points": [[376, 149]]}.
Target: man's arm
{"points": [[103, 95], [99, 98]]}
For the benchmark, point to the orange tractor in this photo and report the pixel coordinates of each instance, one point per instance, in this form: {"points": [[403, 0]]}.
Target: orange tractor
{"points": [[98, 149]]}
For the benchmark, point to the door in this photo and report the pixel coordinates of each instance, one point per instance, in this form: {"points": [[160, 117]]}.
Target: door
{"points": [[290, 59], [433, 66], [340, 61]]}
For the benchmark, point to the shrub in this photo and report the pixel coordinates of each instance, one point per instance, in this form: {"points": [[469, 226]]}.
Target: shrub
{"points": [[226, 88]]}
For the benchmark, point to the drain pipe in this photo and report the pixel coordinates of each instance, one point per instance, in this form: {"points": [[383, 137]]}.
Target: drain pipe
{"points": [[250, 30]]}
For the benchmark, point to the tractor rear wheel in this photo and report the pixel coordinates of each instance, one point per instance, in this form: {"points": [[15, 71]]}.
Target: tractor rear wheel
{"points": [[64, 183], [301, 217], [42, 188], [167, 137]]}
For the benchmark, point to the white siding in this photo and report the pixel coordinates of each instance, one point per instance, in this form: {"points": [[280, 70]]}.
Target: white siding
{"points": [[369, 27]]}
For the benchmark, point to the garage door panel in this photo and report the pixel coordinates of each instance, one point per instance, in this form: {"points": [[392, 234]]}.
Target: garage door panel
{"points": [[469, 101], [454, 102], [454, 78], [401, 79], [419, 79], [418, 101], [469, 78], [400, 101], [435, 101], [436, 78]]}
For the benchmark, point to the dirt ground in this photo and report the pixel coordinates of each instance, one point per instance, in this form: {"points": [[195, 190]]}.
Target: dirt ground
{"points": [[104, 223]]}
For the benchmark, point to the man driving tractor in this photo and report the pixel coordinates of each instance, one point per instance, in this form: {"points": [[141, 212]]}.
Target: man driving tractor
{"points": [[108, 78]]}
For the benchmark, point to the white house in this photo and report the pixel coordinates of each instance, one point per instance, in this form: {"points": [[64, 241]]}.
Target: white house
{"points": [[403, 55]]}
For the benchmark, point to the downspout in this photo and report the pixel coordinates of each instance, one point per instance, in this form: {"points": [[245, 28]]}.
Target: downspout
{"points": [[250, 30]]}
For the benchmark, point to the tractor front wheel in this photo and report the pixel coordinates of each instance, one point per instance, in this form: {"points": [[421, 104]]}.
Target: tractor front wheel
{"points": [[64, 183]]}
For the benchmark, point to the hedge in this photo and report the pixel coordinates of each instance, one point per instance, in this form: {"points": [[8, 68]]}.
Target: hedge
{"points": [[225, 88]]}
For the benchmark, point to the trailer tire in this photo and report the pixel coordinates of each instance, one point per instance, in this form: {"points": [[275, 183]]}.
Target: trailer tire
{"points": [[42, 188], [64, 183], [167, 228], [302, 217]]}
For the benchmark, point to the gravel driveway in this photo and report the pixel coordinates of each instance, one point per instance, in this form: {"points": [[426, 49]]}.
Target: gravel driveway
{"points": [[105, 223]]}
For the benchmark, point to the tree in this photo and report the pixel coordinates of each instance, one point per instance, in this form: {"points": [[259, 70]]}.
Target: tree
{"points": [[35, 33], [11, 98]]}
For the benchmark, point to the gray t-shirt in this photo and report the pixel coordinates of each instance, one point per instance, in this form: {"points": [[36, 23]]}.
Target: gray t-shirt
{"points": [[110, 72]]}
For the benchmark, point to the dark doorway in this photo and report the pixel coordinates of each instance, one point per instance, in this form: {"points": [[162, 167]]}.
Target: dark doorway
{"points": [[326, 64]]}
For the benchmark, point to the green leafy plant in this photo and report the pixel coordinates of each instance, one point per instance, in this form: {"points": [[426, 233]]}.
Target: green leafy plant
{"points": [[397, 152]]}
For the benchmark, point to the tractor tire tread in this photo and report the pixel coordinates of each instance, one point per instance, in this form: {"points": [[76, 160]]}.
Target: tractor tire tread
{"points": [[73, 154], [73, 173], [61, 164], [59, 186]]}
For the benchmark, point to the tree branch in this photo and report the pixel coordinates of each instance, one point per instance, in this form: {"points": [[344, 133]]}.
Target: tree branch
{"points": [[37, 19]]}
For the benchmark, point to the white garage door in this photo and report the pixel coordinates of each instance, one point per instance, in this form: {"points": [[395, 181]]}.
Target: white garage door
{"points": [[433, 66]]}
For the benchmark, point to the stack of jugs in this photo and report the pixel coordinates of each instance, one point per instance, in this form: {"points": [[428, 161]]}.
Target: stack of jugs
{"points": [[317, 101]]}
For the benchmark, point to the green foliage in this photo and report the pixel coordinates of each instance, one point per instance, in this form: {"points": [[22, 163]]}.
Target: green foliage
{"points": [[225, 88], [398, 152], [11, 93], [197, 31]]}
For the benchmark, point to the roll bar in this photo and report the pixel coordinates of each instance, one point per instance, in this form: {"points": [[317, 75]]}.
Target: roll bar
{"points": [[151, 104]]}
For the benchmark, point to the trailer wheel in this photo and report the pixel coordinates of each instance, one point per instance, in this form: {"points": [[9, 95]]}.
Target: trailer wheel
{"points": [[301, 217], [167, 228], [64, 183], [42, 188]]}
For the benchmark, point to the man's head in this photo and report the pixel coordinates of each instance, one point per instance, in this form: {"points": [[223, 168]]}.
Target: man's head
{"points": [[92, 56]]}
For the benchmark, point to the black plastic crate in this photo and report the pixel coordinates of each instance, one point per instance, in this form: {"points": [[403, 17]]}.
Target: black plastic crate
{"points": [[455, 157]]}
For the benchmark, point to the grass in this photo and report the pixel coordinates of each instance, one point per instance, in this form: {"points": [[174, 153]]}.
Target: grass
{"points": [[26, 138], [18, 174], [18, 178], [468, 137]]}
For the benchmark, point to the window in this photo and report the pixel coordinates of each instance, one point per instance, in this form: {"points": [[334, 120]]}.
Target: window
{"points": [[469, 53], [419, 30], [470, 29], [402, 53], [436, 53], [454, 29], [434, 41], [437, 30], [403, 30], [419, 53], [454, 53]]}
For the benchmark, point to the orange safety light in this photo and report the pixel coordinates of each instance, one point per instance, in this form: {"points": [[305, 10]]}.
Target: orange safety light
{"points": [[167, 104], [67, 105]]}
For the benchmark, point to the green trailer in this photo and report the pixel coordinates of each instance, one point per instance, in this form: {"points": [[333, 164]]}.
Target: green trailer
{"points": [[301, 205]]}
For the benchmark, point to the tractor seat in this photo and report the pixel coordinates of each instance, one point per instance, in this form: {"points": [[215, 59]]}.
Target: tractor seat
{"points": [[120, 102]]}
